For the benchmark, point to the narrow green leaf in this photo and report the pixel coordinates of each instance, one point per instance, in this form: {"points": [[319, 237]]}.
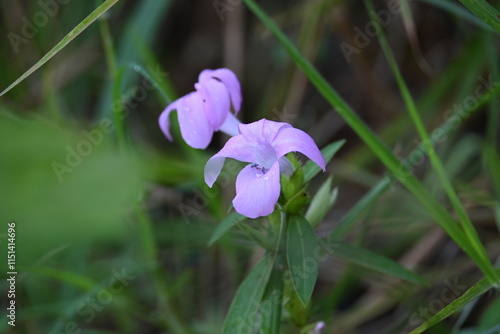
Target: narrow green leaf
{"points": [[459, 11], [270, 309], [321, 203], [224, 226], [472, 241], [485, 12], [369, 259], [311, 169], [65, 41], [474, 292], [242, 315], [351, 217], [302, 263], [493, 164]]}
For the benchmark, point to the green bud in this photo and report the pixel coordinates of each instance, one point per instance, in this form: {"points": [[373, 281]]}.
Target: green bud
{"points": [[291, 186], [297, 203]]}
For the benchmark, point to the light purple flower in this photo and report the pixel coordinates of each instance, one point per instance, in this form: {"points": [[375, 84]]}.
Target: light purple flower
{"points": [[263, 145], [206, 110]]}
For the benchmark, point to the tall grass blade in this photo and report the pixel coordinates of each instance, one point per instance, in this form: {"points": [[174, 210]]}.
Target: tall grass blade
{"points": [[65, 41]]}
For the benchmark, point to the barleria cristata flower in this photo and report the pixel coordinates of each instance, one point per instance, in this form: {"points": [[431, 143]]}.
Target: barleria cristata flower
{"points": [[206, 110], [263, 144]]}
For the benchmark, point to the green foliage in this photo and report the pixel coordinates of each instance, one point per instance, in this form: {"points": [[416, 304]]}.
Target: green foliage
{"points": [[302, 248], [64, 187], [471, 294], [242, 315]]}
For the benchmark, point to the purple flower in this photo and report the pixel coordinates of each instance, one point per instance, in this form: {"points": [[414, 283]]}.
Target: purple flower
{"points": [[263, 145], [206, 110]]}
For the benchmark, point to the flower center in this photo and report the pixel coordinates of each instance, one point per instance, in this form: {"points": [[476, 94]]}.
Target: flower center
{"points": [[265, 156], [263, 169]]}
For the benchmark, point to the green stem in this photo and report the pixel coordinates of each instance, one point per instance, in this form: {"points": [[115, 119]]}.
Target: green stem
{"points": [[116, 76], [119, 111]]}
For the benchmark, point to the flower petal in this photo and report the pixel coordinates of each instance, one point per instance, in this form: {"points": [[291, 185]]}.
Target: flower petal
{"points": [[294, 140], [236, 147], [164, 121], [262, 131], [286, 166], [257, 193], [216, 101], [195, 129], [230, 80], [230, 125]]}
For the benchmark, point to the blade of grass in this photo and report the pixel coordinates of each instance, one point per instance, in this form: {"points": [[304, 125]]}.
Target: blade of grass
{"points": [[440, 215], [494, 105], [486, 12], [374, 261], [141, 28], [350, 218], [459, 11], [469, 230], [225, 225], [119, 110], [474, 292], [65, 41]]}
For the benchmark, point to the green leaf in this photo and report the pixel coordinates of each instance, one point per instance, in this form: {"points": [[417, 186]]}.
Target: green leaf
{"points": [[224, 226], [270, 308], [65, 41], [302, 262], [474, 292], [490, 318], [311, 169], [351, 217], [485, 12], [321, 203], [368, 259], [242, 315], [493, 164]]}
